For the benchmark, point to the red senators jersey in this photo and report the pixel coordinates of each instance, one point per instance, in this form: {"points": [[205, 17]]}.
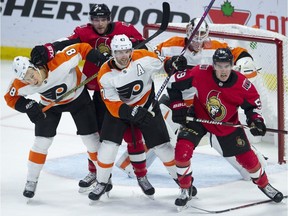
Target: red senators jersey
{"points": [[63, 75], [87, 34], [175, 45], [132, 85], [215, 100]]}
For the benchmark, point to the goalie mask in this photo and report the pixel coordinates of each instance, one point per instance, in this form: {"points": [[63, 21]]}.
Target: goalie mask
{"points": [[201, 34], [20, 66]]}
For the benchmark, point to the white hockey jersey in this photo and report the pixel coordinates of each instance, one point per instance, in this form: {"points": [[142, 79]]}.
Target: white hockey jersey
{"points": [[63, 75], [132, 85]]}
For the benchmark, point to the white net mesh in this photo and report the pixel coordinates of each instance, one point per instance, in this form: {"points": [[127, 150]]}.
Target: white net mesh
{"points": [[270, 52]]}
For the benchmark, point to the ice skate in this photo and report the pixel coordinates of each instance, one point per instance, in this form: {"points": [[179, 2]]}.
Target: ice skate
{"points": [[146, 187], [97, 191], [87, 183], [29, 190], [185, 195], [109, 186], [192, 190], [272, 193]]}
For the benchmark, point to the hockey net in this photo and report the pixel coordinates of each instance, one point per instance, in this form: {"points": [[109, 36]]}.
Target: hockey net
{"points": [[270, 52]]}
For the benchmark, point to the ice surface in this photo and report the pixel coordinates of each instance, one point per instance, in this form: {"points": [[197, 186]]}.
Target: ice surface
{"points": [[219, 185]]}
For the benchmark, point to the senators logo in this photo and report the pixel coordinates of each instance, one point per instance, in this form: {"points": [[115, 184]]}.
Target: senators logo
{"points": [[240, 142], [133, 88], [103, 45], [214, 106]]}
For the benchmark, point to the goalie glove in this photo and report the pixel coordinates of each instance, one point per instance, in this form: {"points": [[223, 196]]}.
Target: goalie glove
{"points": [[42, 54], [177, 63], [247, 67]]}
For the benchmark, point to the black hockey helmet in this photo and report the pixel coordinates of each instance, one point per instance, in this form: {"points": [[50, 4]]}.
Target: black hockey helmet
{"points": [[223, 55], [100, 10]]}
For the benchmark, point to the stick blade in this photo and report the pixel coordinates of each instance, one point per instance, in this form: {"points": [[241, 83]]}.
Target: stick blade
{"points": [[166, 16]]}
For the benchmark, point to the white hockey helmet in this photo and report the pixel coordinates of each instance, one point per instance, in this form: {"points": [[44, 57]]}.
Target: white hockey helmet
{"points": [[202, 33], [20, 66], [120, 42]]}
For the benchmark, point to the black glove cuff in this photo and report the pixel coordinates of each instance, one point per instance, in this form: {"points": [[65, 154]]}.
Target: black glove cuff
{"points": [[125, 112], [21, 104]]}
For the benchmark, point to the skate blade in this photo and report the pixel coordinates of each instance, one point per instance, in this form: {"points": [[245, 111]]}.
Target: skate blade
{"points": [[181, 208], [150, 197], [108, 194], [86, 189], [93, 202], [28, 200]]}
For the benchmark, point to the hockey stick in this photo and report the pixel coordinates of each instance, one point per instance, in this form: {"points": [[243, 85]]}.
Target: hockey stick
{"points": [[235, 208], [164, 24], [163, 86], [232, 125]]}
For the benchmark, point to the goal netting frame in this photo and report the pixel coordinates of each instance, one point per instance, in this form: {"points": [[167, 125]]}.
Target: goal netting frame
{"points": [[274, 83]]}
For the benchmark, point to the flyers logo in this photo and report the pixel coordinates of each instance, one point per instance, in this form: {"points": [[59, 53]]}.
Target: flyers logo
{"points": [[133, 88], [55, 92]]}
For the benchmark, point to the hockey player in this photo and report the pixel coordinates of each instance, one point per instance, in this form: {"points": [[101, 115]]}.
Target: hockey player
{"points": [[59, 76], [128, 91], [220, 92], [200, 51], [98, 34]]}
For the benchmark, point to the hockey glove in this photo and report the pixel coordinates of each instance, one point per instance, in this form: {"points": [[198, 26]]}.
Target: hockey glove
{"points": [[177, 63], [257, 127], [137, 115], [179, 112], [42, 54], [34, 111], [103, 58]]}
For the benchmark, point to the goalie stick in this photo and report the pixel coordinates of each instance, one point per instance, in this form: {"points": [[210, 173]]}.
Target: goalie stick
{"points": [[162, 87], [232, 124], [234, 208], [163, 27]]}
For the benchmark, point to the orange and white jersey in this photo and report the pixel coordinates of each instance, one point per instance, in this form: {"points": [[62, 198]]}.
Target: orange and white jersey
{"points": [[174, 46], [63, 75], [131, 85]]}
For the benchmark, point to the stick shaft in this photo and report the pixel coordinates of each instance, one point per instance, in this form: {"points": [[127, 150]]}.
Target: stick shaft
{"points": [[232, 124], [163, 27], [164, 84]]}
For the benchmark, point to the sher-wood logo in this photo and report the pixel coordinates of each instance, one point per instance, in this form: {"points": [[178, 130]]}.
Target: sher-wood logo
{"points": [[61, 10], [227, 14]]}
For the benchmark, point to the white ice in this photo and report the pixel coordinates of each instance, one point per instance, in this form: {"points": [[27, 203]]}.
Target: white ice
{"points": [[219, 185]]}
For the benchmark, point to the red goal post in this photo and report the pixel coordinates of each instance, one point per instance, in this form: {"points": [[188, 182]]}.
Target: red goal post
{"points": [[270, 52]]}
